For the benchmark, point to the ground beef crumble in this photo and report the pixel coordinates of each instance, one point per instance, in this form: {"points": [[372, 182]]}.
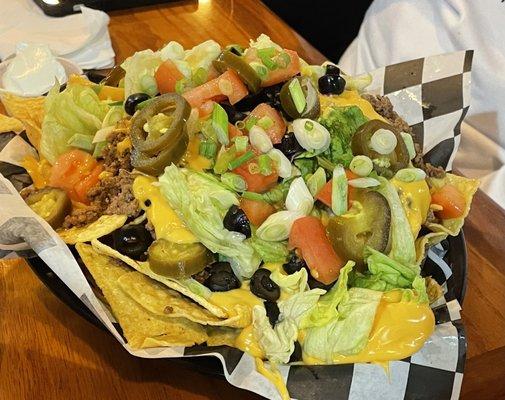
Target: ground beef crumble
{"points": [[113, 194], [382, 105]]}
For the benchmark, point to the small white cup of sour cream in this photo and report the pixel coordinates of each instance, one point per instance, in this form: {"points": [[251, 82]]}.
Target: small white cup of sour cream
{"points": [[33, 71]]}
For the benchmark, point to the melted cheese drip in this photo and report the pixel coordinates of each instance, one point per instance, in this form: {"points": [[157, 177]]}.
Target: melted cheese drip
{"points": [[274, 376], [39, 171], [416, 199], [193, 158], [248, 343], [350, 98], [167, 224], [237, 301], [399, 330]]}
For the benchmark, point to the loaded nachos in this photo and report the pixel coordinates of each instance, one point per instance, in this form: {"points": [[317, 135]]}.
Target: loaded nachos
{"points": [[242, 197]]}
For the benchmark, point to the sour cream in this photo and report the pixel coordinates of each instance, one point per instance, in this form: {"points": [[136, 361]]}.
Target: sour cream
{"points": [[33, 71]]}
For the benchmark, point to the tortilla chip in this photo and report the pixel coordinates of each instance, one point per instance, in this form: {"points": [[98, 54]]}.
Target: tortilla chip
{"points": [[9, 124], [24, 108], [222, 336], [34, 133], [161, 300], [467, 187], [423, 243], [101, 227], [140, 327], [144, 268]]}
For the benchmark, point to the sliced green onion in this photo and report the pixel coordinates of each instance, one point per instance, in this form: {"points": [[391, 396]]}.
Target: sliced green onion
{"points": [[250, 122], [238, 48], [363, 183], [98, 151], [81, 141], [266, 52], [299, 197], [208, 149], [237, 162], [199, 76], [361, 165], [410, 175], [260, 69], [325, 163], [234, 182], [265, 55], [296, 93], [316, 138], [383, 141], [259, 139], [316, 182], [278, 225], [265, 164], [240, 125], [339, 191], [253, 196], [282, 162], [283, 59], [265, 122], [223, 159], [253, 168], [409, 142], [180, 85], [241, 143], [220, 124]]}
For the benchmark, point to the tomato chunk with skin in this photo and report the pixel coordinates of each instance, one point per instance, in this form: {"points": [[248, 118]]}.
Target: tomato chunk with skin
{"points": [[276, 75], [452, 201], [324, 195], [257, 211], [227, 84], [167, 76], [308, 235], [278, 128], [75, 172]]}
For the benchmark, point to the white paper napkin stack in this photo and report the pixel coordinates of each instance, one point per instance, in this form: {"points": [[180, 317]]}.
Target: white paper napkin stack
{"points": [[83, 37]]}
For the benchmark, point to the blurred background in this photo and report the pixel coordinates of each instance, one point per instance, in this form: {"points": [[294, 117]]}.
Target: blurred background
{"points": [[315, 23]]}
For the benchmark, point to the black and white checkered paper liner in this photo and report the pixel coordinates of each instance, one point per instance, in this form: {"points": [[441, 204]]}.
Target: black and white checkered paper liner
{"points": [[432, 94]]}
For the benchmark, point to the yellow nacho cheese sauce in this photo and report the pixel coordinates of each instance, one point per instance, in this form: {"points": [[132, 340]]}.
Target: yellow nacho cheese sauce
{"points": [[350, 98], [400, 329], [416, 199], [167, 224], [193, 158]]}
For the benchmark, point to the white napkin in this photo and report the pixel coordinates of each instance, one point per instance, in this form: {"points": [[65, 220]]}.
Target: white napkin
{"points": [[83, 37]]}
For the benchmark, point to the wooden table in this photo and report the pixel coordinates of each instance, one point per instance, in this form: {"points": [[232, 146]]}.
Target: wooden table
{"points": [[48, 352]]}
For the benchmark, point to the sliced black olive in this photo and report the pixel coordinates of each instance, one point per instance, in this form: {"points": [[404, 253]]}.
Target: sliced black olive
{"points": [[221, 278], [296, 355], [132, 241], [133, 100], [273, 312], [269, 95], [331, 84], [233, 114], [289, 146], [235, 220], [263, 287], [294, 263], [369, 227], [332, 70]]}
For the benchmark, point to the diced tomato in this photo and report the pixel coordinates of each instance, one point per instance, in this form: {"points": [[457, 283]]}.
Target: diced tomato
{"points": [[70, 171], [452, 201], [257, 182], [227, 84], [308, 235], [206, 108], [212, 73], [167, 76], [324, 195], [233, 131], [257, 211], [82, 188], [278, 128], [277, 75]]}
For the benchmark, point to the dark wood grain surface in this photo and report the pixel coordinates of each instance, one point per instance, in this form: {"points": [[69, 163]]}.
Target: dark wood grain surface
{"points": [[49, 352]]}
